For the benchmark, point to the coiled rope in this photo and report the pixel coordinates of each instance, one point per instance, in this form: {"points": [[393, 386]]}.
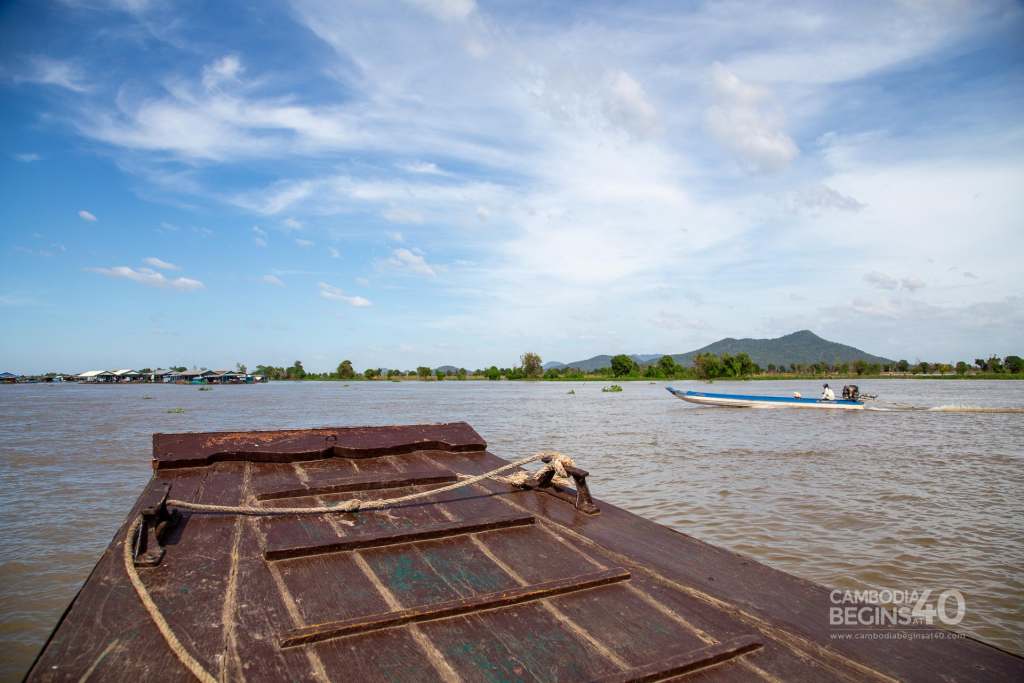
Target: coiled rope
{"points": [[558, 463]]}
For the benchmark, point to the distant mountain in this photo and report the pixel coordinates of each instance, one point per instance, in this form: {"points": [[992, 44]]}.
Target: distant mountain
{"points": [[803, 347], [603, 361]]}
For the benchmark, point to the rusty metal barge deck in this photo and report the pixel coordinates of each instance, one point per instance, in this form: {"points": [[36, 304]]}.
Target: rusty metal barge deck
{"points": [[489, 582]]}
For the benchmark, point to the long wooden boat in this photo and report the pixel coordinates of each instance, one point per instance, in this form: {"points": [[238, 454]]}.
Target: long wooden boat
{"points": [[707, 398], [529, 580]]}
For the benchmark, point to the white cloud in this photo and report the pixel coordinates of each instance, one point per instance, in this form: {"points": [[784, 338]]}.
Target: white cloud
{"points": [[304, 243], [160, 263], [628, 105], [28, 157], [415, 263], [260, 236], [47, 71], [333, 253], [396, 237], [398, 215], [273, 280], [448, 10], [822, 197], [888, 282], [334, 294], [291, 224], [422, 167], [742, 122], [87, 216], [227, 69], [152, 278]]}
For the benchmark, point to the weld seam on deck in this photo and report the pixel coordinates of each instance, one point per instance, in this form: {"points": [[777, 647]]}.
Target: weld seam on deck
{"points": [[688, 662], [423, 533], [451, 608], [364, 484]]}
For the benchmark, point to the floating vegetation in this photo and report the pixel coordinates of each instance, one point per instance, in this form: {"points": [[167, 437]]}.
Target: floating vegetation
{"points": [[571, 392], [176, 410], [205, 388], [147, 398], [613, 389]]}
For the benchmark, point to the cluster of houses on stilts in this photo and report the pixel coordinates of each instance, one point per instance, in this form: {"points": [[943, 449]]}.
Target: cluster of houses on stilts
{"points": [[129, 376]]}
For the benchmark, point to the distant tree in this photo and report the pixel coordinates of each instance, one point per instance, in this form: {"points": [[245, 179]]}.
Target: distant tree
{"points": [[439, 373], [493, 373], [622, 365], [860, 366], [903, 366], [370, 373], [394, 373], [771, 368], [345, 370], [531, 364], [296, 371], [707, 366], [179, 368], [240, 368], [423, 371], [994, 364], [551, 373], [668, 366], [653, 371], [921, 368], [462, 373], [980, 362], [144, 371], [1014, 364], [961, 368]]}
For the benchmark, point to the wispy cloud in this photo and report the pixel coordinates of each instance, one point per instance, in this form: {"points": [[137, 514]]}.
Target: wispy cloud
{"points": [[28, 157], [225, 70], [333, 253], [742, 120], [259, 236], [404, 259], [888, 282], [305, 244], [87, 216], [422, 167], [160, 263], [291, 224], [273, 280], [49, 71], [334, 294], [150, 277]]}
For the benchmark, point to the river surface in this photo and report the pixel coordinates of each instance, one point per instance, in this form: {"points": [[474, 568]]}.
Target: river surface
{"points": [[906, 500]]}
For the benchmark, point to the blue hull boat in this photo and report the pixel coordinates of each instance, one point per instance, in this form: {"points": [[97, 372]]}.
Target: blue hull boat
{"points": [[751, 401]]}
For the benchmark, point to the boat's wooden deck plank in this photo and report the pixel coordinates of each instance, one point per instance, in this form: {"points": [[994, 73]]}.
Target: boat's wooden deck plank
{"points": [[519, 643], [329, 587], [628, 626], [262, 605], [388, 656], [95, 635]]}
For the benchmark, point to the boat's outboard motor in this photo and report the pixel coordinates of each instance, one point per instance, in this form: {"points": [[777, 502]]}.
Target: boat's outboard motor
{"points": [[851, 392]]}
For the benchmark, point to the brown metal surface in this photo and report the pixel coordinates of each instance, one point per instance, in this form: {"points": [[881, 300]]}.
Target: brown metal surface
{"points": [[487, 582]]}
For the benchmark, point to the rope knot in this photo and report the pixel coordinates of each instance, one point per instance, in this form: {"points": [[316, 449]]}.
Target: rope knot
{"points": [[352, 505]]}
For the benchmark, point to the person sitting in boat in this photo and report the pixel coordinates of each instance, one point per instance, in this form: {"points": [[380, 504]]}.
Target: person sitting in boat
{"points": [[827, 394]]}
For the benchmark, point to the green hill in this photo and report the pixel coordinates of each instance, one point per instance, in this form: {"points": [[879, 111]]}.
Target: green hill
{"points": [[803, 347]]}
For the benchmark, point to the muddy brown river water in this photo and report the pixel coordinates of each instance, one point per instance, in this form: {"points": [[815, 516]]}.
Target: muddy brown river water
{"points": [[906, 499]]}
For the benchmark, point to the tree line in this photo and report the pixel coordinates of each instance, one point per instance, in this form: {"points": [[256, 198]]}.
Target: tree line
{"points": [[706, 366]]}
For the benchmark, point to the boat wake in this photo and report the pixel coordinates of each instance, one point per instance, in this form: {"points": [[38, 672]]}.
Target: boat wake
{"points": [[952, 408]]}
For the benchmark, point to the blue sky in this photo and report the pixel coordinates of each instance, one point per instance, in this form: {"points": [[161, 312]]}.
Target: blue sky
{"points": [[449, 181]]}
